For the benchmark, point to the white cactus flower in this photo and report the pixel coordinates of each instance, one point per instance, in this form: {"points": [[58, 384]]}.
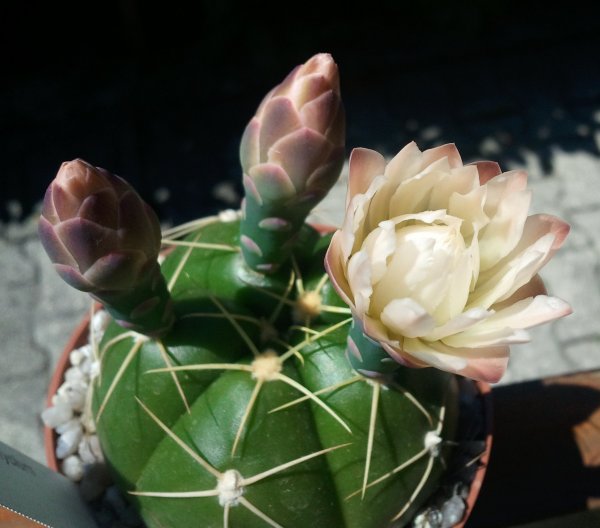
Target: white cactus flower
{"points": [[439, 260]]}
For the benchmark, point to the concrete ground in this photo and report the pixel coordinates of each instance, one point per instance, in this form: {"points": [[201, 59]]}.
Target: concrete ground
{"points": [[557, 141]]}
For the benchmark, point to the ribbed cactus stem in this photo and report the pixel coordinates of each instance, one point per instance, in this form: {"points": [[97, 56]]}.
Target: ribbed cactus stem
{"points": [[366, 356], [147, 308]]}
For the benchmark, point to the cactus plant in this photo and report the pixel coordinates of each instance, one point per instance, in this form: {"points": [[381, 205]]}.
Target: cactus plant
{"points": [[239, 385]]}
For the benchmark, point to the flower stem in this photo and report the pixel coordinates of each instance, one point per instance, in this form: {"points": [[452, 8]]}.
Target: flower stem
{"points": [[366, 356], [146, 308]]}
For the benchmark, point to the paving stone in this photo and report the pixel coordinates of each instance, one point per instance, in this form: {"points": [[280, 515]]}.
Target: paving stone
{"points": [[542, 356], [21, 403], [585, 232], [573, 276], [582, 171], [582, 354], [19, 354]]}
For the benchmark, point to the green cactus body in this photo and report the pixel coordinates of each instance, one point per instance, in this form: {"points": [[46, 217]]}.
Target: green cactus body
{"points": [[248, 414]]}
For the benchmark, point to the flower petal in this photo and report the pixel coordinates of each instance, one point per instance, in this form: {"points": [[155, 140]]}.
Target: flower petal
{"points": [[354, 227], [459, 323], [413, 194], [407, 163], [508, 278], [529, 312], [461, 180], [116, 271], [271, 182], [424, 352], [101, 207], [542, 236], [136, 227], [319, 113], [444, 151], [86, 241], [502, 187], [485, 336], [490, 369], [334, 265], [540, 224], [502, 233], [484, 364], [459, 274], [365, 165], [359, 279], [300, 153], [487, 170], [73, 278], [397, 354], [380, 244], [53, 245], [250, 145], [534, 287], [308, 87], [470, 208], [279, 118], [60, 203], [406, 317]]}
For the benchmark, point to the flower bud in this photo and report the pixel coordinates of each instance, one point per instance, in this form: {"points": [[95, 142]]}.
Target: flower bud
{"points": [[291, 154], [104, 239], [96, 229]]}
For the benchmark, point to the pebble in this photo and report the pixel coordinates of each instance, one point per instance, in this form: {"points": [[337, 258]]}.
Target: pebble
{"points": [[74, 374], [76, 357], [453, 511], [85, 451], [75, 394], [73, 423], [72, 467], [430, 518], [56, 415], [68, 442]]}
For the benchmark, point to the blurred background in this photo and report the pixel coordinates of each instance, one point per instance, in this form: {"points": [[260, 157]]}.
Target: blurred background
{"points": [[160, 93]]}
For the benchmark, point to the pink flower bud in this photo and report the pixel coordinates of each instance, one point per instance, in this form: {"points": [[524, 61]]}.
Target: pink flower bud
{"points": [[96, 229], [297, 135]]}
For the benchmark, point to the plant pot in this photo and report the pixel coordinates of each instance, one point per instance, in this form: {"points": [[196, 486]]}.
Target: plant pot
{"points": [[80, 338], [485, 392]]}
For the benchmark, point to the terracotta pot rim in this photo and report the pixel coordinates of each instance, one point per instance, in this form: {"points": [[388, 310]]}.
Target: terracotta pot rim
{"points": [[485, 392]]}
